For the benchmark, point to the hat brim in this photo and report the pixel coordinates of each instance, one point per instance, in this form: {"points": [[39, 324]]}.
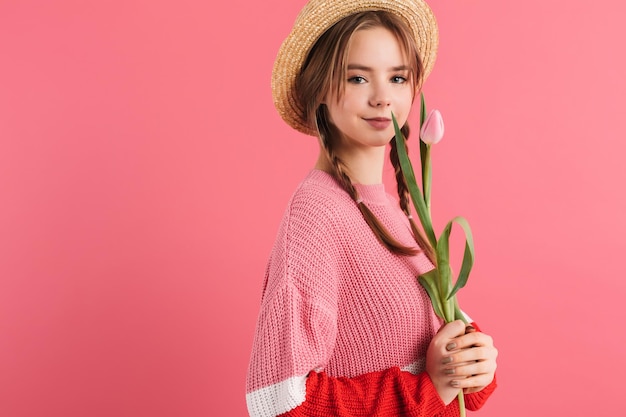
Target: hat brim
{"points": [[317, 17]]}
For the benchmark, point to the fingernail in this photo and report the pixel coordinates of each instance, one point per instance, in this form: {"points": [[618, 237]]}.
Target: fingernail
{"points": [[450, 346], [455, 384], [470, 329], [447, 360], [448, 371]]}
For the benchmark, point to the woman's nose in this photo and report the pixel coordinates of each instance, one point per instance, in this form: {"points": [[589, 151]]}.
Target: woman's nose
{"points": [[380, 97]]}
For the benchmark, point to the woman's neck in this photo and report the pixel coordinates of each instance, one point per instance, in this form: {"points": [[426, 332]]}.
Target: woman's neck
{"points": [[365, 166]]}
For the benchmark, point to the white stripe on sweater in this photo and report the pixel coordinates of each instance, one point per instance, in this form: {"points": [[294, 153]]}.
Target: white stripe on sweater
{"points": [[277, 399], [416, 367]]}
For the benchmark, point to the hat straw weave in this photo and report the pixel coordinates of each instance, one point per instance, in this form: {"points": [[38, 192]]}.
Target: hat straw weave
{"points": [[317, 17]]}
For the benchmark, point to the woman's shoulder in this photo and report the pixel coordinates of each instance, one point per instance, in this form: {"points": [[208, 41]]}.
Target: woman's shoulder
{"points": [[319, 210], [319, 194]]}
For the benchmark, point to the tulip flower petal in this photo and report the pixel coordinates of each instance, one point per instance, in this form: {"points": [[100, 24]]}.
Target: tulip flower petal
{"points": [[432, 130]]}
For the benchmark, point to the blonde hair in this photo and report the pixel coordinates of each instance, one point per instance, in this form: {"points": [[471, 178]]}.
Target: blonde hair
{"points": [[324, 71]]}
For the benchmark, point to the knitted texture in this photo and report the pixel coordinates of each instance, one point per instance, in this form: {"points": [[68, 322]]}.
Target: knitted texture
{"points": [[344, 326]]}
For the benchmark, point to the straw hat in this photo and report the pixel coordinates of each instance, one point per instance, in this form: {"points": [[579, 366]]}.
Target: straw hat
{"points": [[318, 16]]}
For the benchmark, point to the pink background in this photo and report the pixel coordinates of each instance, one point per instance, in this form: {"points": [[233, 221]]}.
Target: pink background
{"points": [[144, 170]]}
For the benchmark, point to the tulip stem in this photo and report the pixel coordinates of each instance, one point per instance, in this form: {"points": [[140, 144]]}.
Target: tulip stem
{"points": [[461, 404], [427, 178]]}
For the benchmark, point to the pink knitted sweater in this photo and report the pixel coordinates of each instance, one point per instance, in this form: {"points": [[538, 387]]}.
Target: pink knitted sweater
{"points": [[344, 326]]}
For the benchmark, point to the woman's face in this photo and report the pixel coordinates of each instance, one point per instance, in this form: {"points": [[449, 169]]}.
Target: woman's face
{"points": [[377, 83]]}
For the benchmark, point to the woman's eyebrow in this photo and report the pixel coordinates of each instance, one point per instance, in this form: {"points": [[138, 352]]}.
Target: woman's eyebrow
{"points": [[366, 68], [359, 67]]}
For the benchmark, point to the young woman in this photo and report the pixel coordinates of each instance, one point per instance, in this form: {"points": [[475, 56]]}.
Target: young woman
{"points": [[344, 328]]}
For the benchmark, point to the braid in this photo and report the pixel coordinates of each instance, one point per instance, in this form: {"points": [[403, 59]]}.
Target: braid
{"points": [[404, 196], [339, 172], [339, 168]]}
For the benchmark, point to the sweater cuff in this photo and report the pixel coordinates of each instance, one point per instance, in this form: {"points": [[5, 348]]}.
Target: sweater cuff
{"points": [[476, 400], [425, 388]]}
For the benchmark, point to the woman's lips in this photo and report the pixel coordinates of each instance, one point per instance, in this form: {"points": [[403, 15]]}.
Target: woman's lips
{"points": [[379, 123]]}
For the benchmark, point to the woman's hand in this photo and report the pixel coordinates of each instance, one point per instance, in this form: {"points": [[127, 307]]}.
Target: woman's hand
{"points": [[475, 357], [460, 358]]}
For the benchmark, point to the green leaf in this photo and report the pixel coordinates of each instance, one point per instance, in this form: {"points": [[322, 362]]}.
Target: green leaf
{"points": [[468, 255], [458, 314], [429, 282], [409, 175], [443, 252], [443, 258], [445, 284], [425, 157]]}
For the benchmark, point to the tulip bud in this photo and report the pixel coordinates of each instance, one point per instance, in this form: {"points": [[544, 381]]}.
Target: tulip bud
{"points": [[432, 130]]}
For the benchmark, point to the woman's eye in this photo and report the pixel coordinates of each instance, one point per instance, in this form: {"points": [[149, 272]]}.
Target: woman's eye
{"points": [[398, 79], [356, 80]]}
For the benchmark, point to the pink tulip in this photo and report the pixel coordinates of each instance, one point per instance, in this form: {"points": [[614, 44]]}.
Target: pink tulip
{"points": [[432, 130]]}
